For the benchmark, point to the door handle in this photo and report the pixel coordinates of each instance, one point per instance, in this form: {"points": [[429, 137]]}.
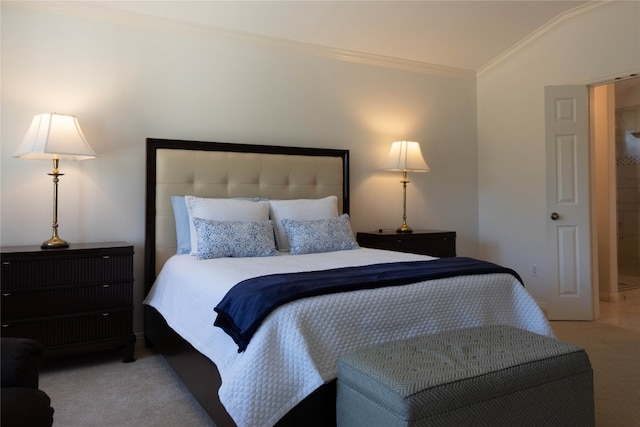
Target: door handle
{"points": [[555, 216]]}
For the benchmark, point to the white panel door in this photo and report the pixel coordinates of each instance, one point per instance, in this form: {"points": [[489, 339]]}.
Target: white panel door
{"points": [[568, 203]]}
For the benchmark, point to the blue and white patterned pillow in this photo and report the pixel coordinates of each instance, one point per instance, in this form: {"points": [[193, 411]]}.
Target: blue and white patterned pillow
{"points": [[320, 235], [221, 239], [299, 210], [183, 223], [217, 209]]}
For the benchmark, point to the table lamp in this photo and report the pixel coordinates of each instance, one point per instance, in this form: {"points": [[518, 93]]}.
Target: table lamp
{"points": [[54, 136], [405, 156]]}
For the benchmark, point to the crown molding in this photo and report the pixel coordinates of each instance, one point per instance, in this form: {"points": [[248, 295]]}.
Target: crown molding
{"points": [[87, 10], [371, 59], [542, 31]]}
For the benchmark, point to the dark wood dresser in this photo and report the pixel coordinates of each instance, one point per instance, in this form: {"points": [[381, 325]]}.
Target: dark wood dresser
{"points": [[425, 242], [72, 300]]}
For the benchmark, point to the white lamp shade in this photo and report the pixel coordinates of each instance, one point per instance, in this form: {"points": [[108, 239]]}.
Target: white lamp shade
{"points": [[54, 136], [405, 156]]}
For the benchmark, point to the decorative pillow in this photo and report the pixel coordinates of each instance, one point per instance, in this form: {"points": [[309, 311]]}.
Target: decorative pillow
{"points": [[299, 210], [221, 239], [223, 210], [320, 235], [183, 232]]}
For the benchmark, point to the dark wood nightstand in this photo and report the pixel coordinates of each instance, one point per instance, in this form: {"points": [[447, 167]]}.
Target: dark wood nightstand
{"points": [[72, 300], [426, 242]]}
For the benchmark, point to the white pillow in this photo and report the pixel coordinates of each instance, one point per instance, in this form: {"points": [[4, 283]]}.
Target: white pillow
{"points": [[300, 210], [222, 210], [221, 239], [320, 235]]}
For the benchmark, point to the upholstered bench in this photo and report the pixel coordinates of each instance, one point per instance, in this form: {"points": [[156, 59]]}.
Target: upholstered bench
{"points": [[484, 376]]}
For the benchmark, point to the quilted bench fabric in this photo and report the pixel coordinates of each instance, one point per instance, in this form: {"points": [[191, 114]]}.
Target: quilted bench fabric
{"points": [[485, 376]]}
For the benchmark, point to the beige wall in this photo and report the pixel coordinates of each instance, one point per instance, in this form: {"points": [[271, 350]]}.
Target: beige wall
{"points": [[127, 77], [594, 46]]}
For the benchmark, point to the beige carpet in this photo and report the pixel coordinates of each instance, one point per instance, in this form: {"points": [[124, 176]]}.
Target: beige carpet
{"points": [[615, 357], [100, 390]]}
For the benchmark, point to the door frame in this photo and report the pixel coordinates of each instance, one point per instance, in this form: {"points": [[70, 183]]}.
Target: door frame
{"points": [[602, 128]]}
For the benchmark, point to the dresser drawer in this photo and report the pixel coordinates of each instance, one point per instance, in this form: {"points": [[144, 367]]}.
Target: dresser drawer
{"points": [[29, 274], [78, 299], [426, 242], [60, 331], [435, 247], [73, 300]]}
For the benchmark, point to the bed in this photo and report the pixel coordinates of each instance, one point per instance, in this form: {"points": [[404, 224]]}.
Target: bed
{"points": [[283, 372]]}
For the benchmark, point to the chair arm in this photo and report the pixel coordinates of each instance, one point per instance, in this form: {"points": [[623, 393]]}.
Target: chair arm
{"points": [[20, 362]]}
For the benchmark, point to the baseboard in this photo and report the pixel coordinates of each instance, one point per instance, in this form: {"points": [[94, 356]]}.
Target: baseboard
{"points": [[610, 296]]}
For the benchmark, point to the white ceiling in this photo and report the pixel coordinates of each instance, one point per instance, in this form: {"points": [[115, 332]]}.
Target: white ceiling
{"points": [[461, 34]]}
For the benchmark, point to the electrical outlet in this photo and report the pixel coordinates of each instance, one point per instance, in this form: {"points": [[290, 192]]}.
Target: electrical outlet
{"points": [[534, 271]]}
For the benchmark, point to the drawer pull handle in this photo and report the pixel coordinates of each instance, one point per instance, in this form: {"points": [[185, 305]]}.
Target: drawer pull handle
{"points": [[6, 262], [5, 325], [106, 286], [106, 256], [105, 314], [6, 294]]}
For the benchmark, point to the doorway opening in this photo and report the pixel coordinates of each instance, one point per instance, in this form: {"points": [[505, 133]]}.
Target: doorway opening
{"points": [[615, 123], [627, 160]]}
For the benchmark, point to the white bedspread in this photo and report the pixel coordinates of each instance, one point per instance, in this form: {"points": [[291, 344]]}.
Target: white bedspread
{"points": [[297, 347]]}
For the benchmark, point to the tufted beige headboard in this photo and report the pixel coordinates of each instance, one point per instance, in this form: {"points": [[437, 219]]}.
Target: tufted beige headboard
{"points": [[212, 169]]}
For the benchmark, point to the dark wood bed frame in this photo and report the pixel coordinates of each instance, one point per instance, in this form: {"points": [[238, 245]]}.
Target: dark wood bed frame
{"points": [[195, 370]]}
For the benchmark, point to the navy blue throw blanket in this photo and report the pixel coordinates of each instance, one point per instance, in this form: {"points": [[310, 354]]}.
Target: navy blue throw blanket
{"points": [[248, 303]]}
